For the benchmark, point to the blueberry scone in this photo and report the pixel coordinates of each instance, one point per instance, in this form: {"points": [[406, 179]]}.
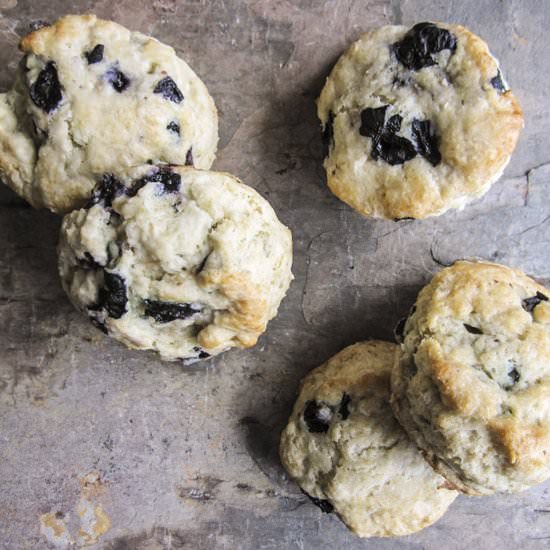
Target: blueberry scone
{"points": [[416, 121], [344, 448], [185, 262], [472, 385], [90, 97]]}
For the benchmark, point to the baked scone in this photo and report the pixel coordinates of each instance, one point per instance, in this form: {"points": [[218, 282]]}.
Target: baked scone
{"points": [[344, 448], [416, 121], [90, 97], [472, 386], [185, 262]]}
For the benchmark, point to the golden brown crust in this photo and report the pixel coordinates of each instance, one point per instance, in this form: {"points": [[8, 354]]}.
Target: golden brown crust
{"points": [[472, 385]]}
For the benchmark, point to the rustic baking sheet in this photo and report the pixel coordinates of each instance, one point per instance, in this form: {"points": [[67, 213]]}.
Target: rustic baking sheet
{"points": [[113, 448]]}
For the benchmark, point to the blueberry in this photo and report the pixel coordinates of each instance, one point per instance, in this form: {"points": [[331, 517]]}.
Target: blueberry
{"points": [[189, 157], [112, 296], [201, 353], [95, 55], [328, 134], [472, 330], [118, 80], [46, 90], [106, 191], [170, 181], [344, 406], [498, 84], [386, 144], [529, 304], [317, 416], [372, 121], [420, 43], [164, 312], [325, 505], [169, 90], [514, 375], [426, 141], [393, 149], [403, 219], [173, 126]]}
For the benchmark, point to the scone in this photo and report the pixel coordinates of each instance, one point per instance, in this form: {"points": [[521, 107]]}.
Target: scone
{"points": [[472, 385], [344, 448], [416, 121], [185, 262], [90, 97]]}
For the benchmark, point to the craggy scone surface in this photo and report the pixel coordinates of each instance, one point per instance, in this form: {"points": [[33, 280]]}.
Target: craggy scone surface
{"points": [[344, 448], [91, 97], [472, 386], [416, 121], [181, 261]]}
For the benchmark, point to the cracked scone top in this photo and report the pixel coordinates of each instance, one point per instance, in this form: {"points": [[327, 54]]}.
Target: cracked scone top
{"points": [[416, 121], [185, 262], [472, 386], [91, 97], [344, 448]]}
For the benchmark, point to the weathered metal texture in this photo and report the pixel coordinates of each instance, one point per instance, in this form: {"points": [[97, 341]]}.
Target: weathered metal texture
{"points": [[113, 448]]}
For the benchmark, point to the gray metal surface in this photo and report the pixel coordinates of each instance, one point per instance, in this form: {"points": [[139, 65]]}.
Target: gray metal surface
{"points": [[113, 448]]}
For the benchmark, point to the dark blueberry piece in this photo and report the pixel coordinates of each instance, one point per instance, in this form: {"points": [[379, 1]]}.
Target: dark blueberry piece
{"points": [[420, 43], [498, 84], [95, 55], [89, 262], [173, 126], [372, 121], [327, 137], [189, 157], [164, 312], [170, 181], [201, 353], [394, 124], [344, 406], [426, 141], [169, 90], [514, 375], [113, 295], [529, 304], [118, 80], [38, 24], [46, 90], [317, 416], [106, 191], [403, 219], [325, 505], [472, 330], [386, 144], [393, 149]]}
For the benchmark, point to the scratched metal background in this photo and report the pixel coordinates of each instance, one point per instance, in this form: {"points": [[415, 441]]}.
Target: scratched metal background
{"points": [[114, 449]]}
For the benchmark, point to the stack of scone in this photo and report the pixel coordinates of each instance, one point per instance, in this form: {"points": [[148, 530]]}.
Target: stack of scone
{"points": [[470, 387], [111, 128]]}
